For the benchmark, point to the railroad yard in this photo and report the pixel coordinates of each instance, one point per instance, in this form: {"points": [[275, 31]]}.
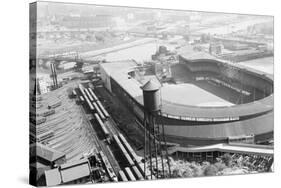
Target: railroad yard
{"points": [[87, 131]]}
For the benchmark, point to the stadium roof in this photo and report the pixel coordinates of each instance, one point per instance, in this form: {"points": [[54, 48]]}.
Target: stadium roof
{"points": [[119, 72], [247, 109], [188, 53]]}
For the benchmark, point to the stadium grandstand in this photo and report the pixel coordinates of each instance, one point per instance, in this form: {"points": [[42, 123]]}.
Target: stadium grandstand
{"points": [[241, 99]]}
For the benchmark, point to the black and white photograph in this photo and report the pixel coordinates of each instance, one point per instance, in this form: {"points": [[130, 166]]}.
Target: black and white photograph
{"points": [[120, 94]]}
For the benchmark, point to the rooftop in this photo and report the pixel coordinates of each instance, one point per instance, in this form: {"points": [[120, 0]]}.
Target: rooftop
{"points": [[68, 172], [119, 72], [53, 177], [45, 152], [151, 85]]}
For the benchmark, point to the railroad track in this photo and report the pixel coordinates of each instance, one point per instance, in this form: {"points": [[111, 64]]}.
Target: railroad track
{"points": [[102, 146]]}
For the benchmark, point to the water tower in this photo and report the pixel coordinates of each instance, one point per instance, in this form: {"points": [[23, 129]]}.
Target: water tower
{"points": [[154, 141]]}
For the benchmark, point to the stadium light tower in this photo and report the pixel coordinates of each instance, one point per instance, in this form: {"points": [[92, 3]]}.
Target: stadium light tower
{"points": [[152, 109]]}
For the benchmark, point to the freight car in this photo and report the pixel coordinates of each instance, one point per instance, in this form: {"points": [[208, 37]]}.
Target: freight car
{"points": [[103, 127], [129, 174], [99, 111], [123, 150], [104, 111], [130, 150], [108, 167], [137, 173], [93, 94], [122, 176]]}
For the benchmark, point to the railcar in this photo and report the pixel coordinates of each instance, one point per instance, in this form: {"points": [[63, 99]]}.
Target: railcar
{"points": [[103, 127], [108, 167], [129, 174], [122, 176]]}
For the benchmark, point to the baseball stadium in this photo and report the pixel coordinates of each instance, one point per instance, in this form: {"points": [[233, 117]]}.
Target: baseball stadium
{"points": [[204, 101]]}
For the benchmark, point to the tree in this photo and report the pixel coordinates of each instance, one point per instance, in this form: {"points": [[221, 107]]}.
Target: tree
{"points": [[227, 159], [210, 170], [197, 171], [175, 173], [220, 166], [187, 173]]}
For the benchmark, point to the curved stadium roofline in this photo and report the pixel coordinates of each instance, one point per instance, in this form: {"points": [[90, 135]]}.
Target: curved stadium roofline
{"points": [[205, 125]]}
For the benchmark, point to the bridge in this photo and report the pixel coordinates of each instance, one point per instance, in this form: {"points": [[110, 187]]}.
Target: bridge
{"points": [[235, 39], [87, 56]]}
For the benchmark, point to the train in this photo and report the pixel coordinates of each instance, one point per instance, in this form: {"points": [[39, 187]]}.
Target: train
{"points": [[86, 97], [135, 168], [131, 158], [81, 99], [129, 148], [93, 94], [74, 93], [108, 167], [88, 94], [81, 89], [99, 111], [137, 173], [89, 103], [122, 176], [129, 174], [93, 102], [54, 104], [124, 152], [103, 109], [146, 173], [103, 127], [137, 162]]}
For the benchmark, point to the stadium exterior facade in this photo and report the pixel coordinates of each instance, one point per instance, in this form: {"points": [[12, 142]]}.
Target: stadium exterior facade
{"points": [[193, 125]]}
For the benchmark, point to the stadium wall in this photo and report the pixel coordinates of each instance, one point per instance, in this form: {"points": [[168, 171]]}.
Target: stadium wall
{"points": [[200, 130]]}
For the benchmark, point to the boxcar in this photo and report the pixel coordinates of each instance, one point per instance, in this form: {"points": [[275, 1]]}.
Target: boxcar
{"points": [[122, 176], [129, 174]]}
